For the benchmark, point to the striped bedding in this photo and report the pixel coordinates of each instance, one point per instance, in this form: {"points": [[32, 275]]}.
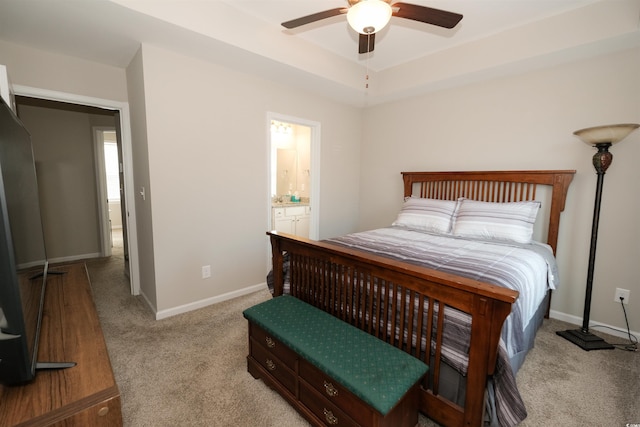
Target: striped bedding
{"points": [[529, 269]]}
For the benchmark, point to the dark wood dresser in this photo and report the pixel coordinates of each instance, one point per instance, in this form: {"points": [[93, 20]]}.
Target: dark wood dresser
{"points": [[83, 395], [319, 398]]}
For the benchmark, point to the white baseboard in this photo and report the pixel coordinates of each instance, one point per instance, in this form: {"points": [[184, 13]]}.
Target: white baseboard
{"points": [[163, 314], [144, 297], [597, 326]]}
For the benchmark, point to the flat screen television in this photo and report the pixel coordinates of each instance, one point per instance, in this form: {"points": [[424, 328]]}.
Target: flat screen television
{"points": [[23, 260]]}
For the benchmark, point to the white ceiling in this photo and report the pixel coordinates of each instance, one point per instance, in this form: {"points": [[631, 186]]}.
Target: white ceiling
{"points": [[404, 40], [494, 37]]}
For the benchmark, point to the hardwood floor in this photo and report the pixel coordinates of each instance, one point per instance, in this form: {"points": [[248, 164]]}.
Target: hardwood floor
{"points": [[82, 395]]}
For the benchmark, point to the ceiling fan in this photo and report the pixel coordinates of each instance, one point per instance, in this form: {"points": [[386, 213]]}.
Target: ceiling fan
{"points": [[368, 17]]}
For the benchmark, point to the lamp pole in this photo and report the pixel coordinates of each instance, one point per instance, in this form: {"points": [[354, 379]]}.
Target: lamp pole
{"points": [[602, 137], [601, 162]]}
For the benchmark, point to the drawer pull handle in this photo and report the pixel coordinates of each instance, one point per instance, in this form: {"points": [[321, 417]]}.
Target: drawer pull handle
{"points": [[270, 365], [330, 389], [270, 342], [331, 419]]}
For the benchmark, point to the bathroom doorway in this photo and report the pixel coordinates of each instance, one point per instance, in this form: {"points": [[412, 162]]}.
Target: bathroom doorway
{"points": [[294, 175]]}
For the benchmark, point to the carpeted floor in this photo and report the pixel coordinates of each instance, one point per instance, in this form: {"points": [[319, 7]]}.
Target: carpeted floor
{"points": [[190, 370]]}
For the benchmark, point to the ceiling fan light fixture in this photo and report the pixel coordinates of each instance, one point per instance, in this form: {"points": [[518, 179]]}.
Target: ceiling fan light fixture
{"points": [[369, 16]]}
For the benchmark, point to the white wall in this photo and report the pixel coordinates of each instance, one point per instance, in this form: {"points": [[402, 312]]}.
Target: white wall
{"points": [[144, 219], [63, 151], [207, 137], [45, 70], [526, 122]]}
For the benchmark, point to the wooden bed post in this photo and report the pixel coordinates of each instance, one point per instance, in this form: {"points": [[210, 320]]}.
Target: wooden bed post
{"points": [[561, 183], [278, 261], [483, 353]]}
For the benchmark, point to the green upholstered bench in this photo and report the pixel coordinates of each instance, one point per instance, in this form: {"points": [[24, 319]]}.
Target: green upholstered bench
{"points": [[325, 366]]}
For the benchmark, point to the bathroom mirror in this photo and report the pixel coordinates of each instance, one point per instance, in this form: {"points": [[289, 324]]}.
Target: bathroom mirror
{"points": [[287, 171], [292, 148]]}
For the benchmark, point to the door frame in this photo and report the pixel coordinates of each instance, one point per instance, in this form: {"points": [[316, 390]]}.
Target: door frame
{"points": [[314, 194], [127, 155], [103, 203]]}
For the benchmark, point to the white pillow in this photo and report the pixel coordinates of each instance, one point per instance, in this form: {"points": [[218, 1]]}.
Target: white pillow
{"points": [[427, 214], [512, 222]]}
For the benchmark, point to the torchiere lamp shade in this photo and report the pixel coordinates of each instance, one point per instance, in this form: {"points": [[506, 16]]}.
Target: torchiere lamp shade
{"points": [[608, 133]]}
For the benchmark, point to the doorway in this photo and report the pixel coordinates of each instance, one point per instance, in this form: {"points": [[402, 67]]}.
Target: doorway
{"points": [[110, 190], [123, 127], [294, 176]]}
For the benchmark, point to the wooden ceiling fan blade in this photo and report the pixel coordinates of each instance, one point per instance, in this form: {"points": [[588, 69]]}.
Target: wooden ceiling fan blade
{"points": [[366, 42], [428, 15], [314, 17]]}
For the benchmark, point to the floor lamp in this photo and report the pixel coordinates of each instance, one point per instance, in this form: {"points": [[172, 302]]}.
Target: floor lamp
{"points": [[601, 137]]}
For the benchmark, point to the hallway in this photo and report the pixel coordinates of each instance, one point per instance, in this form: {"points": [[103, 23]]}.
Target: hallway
{"points": [[117, 243]]}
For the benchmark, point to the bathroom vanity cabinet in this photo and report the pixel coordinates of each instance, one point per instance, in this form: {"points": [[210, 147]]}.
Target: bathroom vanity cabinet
{"points": [[292, 220]]}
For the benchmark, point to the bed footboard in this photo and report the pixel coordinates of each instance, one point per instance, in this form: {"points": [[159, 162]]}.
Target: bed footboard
{"points": [[404, 305]]}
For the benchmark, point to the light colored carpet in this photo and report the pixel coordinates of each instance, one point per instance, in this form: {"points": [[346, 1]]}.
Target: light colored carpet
{"points": [[190, 370]]}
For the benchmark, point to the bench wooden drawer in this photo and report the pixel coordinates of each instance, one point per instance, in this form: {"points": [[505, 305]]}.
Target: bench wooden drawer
{"points": [[281, 351], [335, 393], [322, 408], [276, 367]]}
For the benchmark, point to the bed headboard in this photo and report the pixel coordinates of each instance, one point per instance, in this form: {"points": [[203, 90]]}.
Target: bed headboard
{"points": [[495, 186]]}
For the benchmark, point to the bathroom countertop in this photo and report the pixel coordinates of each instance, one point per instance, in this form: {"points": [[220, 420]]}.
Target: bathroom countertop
{"points": [[288, 204]]}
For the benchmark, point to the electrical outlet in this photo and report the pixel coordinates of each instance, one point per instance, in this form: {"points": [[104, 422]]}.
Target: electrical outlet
{"points": [[624, 293], [206, 271]]}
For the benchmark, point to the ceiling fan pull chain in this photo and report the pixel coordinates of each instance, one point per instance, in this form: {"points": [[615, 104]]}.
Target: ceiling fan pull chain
{"points": [[366, 76]]}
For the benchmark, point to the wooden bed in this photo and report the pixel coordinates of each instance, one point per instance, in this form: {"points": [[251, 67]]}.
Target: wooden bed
{"points": [[348, 283]]}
